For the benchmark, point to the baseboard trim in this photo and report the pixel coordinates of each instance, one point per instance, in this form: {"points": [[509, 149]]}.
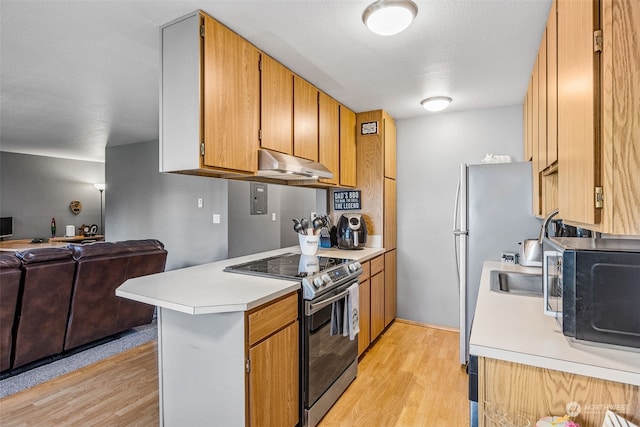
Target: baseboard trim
{"points": [[428, 325]]}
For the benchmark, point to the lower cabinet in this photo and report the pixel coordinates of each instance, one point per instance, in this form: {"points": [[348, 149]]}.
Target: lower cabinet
{"points": [[377, 298], [538, 392], [273, 364], [234, 369], [364, 336]]}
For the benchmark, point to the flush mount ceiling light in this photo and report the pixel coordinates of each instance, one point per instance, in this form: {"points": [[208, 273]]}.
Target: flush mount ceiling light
{"points": [[389, 17], [436, 103]]}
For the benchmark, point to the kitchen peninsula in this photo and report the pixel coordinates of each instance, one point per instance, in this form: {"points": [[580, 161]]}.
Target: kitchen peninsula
{"points": [[227, 343], [527, 365]]}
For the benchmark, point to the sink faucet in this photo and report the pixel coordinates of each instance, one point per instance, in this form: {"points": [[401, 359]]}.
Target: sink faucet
{"points": [[545, 224]]}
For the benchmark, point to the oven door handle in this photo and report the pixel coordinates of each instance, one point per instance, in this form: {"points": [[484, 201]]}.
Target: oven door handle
{"points": [[314, 308]]}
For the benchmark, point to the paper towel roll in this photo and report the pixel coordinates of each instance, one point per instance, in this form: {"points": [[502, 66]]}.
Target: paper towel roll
{"points": [[70, 231]]}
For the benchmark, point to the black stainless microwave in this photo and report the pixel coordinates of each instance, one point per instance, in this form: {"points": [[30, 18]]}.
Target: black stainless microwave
{"points": [[593, 287]]}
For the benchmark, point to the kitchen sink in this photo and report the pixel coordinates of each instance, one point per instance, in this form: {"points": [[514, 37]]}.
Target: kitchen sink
{"points": [[519, 283]]}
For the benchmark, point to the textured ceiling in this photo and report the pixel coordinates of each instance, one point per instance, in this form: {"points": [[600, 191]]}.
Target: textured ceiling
{"points": [[79, 75]]}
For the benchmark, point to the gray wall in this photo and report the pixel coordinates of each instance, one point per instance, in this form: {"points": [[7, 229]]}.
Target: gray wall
{"points": [[33, 189], [256, 233], [430, 150], [144, 203]]}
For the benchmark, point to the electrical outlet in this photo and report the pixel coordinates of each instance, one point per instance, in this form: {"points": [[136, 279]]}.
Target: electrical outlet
{"points": [[273, 216], [216, 218], [200, 203]]}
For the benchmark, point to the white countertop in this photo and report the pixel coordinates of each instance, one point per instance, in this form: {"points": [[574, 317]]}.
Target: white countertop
{"points": [[514, 328], [206, 288]]}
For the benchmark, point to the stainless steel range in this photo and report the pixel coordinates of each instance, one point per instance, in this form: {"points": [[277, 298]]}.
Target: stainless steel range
{"points": [[329, 361]]}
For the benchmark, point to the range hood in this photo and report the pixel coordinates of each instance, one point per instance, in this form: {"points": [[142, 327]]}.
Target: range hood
{"points": [[272, 164]]}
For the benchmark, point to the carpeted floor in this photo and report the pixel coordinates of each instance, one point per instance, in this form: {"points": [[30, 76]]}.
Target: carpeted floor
{"points": [[21, 379]]}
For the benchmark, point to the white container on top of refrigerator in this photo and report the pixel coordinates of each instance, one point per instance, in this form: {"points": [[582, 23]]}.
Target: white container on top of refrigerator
{"points": [[492, 215]]}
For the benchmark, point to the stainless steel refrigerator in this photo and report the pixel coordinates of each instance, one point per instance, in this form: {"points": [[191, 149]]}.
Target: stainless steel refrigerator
{"points": [[492, 215]]}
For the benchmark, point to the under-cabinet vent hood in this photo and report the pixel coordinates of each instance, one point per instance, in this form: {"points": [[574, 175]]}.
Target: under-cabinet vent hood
{"points": [[272, 164]]}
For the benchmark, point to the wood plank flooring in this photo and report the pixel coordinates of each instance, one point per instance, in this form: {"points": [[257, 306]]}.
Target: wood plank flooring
{"points": [[411, 377]]}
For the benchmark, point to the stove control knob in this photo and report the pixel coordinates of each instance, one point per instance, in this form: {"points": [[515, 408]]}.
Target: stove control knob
{"points": [[326, 278], [353, 267], [358, 265], [317, 282]]}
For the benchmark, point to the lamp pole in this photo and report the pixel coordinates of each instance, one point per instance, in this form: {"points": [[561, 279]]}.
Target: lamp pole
{"points": [[101, 188], [101, 219]]}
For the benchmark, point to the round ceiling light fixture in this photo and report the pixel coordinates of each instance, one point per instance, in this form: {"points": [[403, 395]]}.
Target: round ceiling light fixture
{"points": [[436, 103], [389, 17]]}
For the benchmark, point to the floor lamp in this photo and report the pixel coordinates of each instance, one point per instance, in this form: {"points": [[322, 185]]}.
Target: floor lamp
{"points": [[101, 188]]}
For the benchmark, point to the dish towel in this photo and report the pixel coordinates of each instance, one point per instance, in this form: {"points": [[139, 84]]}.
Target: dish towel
{"points": [[353, 312]]}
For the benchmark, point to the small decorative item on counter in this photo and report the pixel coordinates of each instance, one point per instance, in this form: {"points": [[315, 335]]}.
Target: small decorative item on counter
{"points": [[53, 227], [553, 421]]}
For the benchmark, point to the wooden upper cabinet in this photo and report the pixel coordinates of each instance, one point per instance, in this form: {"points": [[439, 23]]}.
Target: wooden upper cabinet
{"points": [[231, 105], [552, 85], [389, 128], [305, 119], [329, 136], [542, 104], [535, 141], [578, 85], [276, 119], [347, 147], [621, 117]]}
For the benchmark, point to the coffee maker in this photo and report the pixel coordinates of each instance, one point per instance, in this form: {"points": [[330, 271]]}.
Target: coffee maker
{"points": [[352, 231]]}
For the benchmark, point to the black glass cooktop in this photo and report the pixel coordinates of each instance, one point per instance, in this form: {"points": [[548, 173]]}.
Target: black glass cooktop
{"points": [[287, 265]]}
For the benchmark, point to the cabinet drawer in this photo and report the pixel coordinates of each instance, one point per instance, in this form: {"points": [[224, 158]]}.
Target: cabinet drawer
{"points": [[377, 264], [270, 318], [366, 271]]}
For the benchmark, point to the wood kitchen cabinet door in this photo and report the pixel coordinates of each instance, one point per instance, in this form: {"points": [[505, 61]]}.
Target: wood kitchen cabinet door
{"points": [[390, 287], [273, 380], [329, 136], [552, 85], [538, 392], [305, 119], [389, 127], [390, 214], [578, 111], [542, 104], [347, 147], [621, 116], [231, 81], [276, 120], [377, 304], [364, 336]]}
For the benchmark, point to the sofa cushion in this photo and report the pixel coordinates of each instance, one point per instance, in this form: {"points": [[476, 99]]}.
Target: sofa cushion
{"points": [[10, 274], [44, 307]]}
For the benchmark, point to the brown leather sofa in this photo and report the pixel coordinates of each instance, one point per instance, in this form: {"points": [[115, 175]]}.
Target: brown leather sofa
{"points": [[96, 312], [10, 274], [56, 299], [44, 303]]}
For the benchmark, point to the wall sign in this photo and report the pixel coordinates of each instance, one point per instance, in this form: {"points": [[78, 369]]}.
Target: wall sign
{"points": [[346, 200], [369, 128]]}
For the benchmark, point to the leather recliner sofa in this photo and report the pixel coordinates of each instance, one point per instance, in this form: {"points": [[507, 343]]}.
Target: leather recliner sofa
{"points": [[57, 299], [10, 274]]}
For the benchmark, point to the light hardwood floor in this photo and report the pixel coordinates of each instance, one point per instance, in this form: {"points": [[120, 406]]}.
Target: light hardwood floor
{"points": [[411, 377]]}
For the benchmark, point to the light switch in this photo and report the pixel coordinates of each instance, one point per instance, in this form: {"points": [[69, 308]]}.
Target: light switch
{"points": [[216, 218], [200, 203], [273, 216]]}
